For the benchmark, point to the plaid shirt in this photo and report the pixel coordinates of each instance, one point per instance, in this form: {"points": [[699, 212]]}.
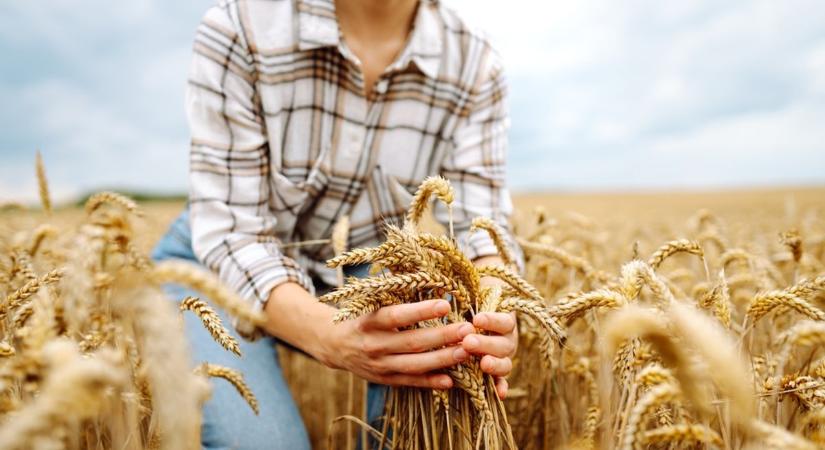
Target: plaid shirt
{"points": [[284, 141]]}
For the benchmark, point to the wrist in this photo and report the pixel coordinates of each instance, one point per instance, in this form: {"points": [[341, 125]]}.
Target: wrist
{"points": [[324, 337], [297, 317]]}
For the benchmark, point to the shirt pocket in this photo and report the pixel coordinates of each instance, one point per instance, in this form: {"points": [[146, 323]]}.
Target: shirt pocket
{"points": [[290, 197], [400, 197]]}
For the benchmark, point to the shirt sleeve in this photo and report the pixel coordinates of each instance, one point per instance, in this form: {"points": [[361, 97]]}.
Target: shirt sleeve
{"points": [[476, 166], [232, 225]]}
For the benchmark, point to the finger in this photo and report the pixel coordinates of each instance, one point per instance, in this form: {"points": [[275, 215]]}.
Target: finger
{"points": [[501, 323], [432, 381], [498, 367], [421, 339], [502, 386], [400, 316], [419, 363], [500, 346]]}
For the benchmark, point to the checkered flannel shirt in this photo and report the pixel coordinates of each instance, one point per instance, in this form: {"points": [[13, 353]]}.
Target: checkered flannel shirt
{"points": [[284, 141]]}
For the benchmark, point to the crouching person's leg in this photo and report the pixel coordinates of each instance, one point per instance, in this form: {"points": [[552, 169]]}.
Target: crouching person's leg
{"points": [[228, 421]]}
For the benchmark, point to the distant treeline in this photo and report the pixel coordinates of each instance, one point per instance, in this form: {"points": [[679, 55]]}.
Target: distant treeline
{"points": [[138, 196]]}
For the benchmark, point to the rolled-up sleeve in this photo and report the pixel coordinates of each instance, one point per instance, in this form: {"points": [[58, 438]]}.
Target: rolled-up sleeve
{"points": [[232, 225], [476, 166]]}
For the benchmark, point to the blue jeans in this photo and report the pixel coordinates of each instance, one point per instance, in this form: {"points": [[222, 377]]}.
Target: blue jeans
{"points": [[228, 422]]}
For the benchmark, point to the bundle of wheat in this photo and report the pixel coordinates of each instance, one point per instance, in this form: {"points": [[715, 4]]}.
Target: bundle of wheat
{"points": [[414, 266]]}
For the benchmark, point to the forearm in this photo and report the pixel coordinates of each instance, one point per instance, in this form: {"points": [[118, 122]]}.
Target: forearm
{"points": [[297, 317], [492, 260]]}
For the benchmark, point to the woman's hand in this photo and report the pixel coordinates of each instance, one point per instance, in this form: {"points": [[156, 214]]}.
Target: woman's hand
{"points": [[372, 346], [497, 346]]}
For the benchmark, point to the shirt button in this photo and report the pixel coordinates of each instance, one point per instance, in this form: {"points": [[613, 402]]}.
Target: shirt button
{"points": [[381, 87], [355, 144]]}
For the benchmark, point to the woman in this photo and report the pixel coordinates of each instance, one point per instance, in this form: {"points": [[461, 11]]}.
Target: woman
{"points": [[304, 111]]}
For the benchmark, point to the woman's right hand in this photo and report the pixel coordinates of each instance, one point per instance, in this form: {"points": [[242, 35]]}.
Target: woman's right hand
{"points": [[376, 346]]}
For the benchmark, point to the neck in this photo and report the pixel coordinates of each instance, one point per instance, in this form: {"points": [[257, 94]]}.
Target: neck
{"points": [[376, 18]]}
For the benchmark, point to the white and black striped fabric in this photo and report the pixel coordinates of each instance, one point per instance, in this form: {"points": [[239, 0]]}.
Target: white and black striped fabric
{"points": [[284, 141]]}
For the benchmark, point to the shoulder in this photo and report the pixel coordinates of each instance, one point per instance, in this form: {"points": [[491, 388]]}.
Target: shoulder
{"points": [[266, 26], [469, 53]]}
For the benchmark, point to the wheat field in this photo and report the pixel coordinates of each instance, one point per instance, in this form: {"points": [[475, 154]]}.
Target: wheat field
{"points": [[646, 321]]}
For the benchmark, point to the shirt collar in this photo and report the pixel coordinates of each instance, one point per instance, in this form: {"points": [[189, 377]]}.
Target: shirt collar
{"points": [[318, 27]]}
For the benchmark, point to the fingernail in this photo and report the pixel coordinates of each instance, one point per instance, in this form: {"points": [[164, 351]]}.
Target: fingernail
{"points": [[445, 383], [465, 330], [459, 354], [441, 308], [480, 320], [471, 341]]}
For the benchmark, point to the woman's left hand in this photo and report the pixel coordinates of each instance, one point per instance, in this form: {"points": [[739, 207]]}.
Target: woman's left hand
{"points": [[496, 347]]}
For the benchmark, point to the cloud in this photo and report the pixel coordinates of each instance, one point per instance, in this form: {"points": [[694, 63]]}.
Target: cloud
{"points": [[604, 94], [98, 87], [603, 90]]}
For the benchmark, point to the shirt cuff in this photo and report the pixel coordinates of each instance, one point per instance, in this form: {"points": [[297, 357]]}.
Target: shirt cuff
{"points": [[254, 272]]}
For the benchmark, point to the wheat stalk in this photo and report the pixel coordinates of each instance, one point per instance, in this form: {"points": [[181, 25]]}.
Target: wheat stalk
{"points": [[172, 271]]}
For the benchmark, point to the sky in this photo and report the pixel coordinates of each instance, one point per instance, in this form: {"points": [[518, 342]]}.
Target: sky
{"points": [[605, 95]]}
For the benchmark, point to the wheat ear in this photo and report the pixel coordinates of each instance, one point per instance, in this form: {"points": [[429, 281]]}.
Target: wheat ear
{"points": [[588, 300], [497, 235], [673, 247], [400, 282], [20, 296], [772, 437], [718, 300], [535, 310], [43, 183], [39, 235], [6, 349], [513, 279], [74, 391], [431, 185], [471, 381], [766, 302], [659, 395], [681, 434], [793, 241], [652, 326], [355, 307], [720, 352], [235, 378], [636, 274], [562, 256], [212, 323], [653, 375], [100, 198]]}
